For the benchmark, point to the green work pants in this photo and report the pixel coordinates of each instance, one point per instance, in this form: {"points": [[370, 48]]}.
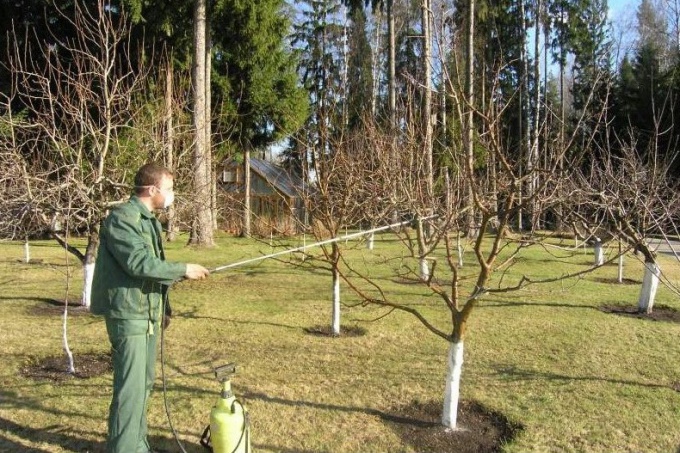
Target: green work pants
{"points": [[133, 350]]}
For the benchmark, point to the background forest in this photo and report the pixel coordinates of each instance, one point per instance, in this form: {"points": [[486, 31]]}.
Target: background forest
{"points": [[292, 80]]}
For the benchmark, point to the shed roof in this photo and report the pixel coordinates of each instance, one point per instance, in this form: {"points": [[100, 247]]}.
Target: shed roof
{"points": [[287, 183]]}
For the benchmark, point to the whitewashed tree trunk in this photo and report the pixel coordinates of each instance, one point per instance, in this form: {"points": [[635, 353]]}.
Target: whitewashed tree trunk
{"points": [[650, 283], [69, 355], [599, 253], [64, 328], [452, 385], [460, 254], [336, 302], [370, 241], [424, 269], [88, 274], [27, 252], [620, 274]]}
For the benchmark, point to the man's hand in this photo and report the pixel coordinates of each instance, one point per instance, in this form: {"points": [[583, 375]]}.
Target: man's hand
{"points": [[196, 272]]}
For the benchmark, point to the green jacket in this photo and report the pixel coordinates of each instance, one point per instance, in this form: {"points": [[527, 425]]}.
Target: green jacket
{"points": [[131, 276]]}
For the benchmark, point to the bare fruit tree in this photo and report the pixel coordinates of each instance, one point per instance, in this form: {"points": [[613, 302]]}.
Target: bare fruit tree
{"points": [[384, 182], [66, 126], [633, 198], [347, 191]]}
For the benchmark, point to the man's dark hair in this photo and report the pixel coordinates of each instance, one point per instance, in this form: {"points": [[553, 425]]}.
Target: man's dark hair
{"points": [[150, 175]]}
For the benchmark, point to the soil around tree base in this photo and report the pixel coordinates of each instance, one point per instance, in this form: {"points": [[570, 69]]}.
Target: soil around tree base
{"points": [[55, 368], [479, 430], [659, 312], [55, 307], [327, 331]]}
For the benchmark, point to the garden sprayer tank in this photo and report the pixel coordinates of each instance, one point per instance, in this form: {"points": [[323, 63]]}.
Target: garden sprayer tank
{"points": [[229, 430]]}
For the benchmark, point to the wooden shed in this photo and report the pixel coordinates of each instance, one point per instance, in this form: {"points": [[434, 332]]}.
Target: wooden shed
{"points": [[275, 201]]}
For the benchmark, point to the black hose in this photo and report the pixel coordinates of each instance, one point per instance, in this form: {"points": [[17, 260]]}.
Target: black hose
{"points": [[245, 431], [165, 390]]}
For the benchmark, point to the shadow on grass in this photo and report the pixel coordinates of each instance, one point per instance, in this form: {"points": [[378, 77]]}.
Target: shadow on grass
{"points": [[47, 300], [62, 437], [190, 315], [515, 373], [70, 439], [333, 407], [498, 304], [54, 435], [278, 449]]}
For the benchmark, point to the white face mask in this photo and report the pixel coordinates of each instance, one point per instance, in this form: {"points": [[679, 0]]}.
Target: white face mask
{"points": [[168, 200]]}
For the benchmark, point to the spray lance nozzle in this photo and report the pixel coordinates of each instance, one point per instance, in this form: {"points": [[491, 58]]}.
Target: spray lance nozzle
{"points": [[223, 375], [225, 372]]}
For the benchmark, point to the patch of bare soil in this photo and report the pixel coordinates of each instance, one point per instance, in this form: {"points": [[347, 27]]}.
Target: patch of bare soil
{"points": [[55, 368], [55, 307], [31, 261], [345, 331], [625, 281], [659, 313], [479, 429]]}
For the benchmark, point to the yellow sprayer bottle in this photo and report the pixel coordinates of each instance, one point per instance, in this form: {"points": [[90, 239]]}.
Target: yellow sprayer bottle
{"points": [[229, 426]]}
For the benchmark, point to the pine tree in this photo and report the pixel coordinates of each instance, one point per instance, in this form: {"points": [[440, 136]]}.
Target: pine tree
{"points": [[254, 77], [359, 70], [318, 38]]}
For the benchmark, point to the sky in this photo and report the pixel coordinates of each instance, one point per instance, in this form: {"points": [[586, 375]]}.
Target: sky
{"points": [[622, 15]]}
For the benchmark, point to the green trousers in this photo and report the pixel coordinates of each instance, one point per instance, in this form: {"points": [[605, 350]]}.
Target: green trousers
{"points": [[133, 349]]}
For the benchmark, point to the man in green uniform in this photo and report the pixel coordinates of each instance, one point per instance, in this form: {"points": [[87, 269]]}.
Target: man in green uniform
{"points": [[130, 282]]}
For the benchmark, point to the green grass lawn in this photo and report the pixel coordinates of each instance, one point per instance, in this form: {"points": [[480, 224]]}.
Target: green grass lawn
{"points": [[577, 379]]}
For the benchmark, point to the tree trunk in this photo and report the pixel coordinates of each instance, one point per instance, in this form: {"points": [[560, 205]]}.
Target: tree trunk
{"points": [[427, 99], [64, 325], [459, 247], [203, 234], [599, 253], [88, 274], [424, 268], [245, 231], [208, 127], [535, 128], [650, 283], [27, 251], [452, 385], [70, 365], [392, 90], [370, 241], [170, 143], [375, 63], [469, 126], [391, 63], [88, 265], [525, 167], [335, 322]]}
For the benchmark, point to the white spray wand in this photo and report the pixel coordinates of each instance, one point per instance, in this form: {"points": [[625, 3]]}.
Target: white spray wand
{"points": [[315, 244]]}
